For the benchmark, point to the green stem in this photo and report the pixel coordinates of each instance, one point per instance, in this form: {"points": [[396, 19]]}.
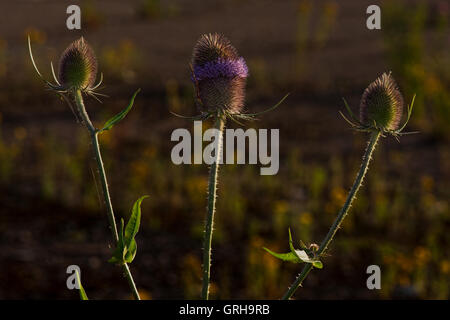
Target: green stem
{"points": [[127, 273], [342, 214], [101, 169], [212, 190]]}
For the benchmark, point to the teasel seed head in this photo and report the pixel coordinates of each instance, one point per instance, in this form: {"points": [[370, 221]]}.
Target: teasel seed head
{"points": [[382, 104], [78, 66], [219, 74]]}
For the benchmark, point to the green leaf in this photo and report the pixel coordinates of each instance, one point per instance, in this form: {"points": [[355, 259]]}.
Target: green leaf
{"points": [[296, 256], [291, 245], [131, 252], [318, 264], [133, 224], [132, 229], [121, 249], [111, 122], [126, 249], [83, 295], [290, 257], [121, 244]]}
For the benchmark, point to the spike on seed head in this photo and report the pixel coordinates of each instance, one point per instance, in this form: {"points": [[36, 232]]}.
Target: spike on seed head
{"points": [[211, 47], [382, 103], [78, 66], [219, 74]]}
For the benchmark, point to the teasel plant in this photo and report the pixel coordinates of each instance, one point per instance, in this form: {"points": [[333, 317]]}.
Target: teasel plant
{"points": [[219, 75], [380, 115], [77, 75]]}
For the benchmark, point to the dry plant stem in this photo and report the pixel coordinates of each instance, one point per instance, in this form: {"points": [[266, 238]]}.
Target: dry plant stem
{"points": [[340, 218], [209, 223], [101, 169]]}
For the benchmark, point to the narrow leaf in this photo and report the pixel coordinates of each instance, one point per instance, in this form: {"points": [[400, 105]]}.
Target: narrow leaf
{"points": [[291, 246], [131, 252], [268, 110], [121, 243], [408, 116], [119, 253], [114, 120], [350, 112], [133, 224], [83, 295], [317, 264], [290, 257]]}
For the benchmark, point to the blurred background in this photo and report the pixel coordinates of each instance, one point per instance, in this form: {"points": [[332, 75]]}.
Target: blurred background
{"points": [[51, 213]]}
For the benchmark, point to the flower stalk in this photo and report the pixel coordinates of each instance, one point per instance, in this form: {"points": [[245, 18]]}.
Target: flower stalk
{"points": [[381, 109], [93, 132], [77, 74], [219, 75], [212, 195], [375, 135], [99, 161]]}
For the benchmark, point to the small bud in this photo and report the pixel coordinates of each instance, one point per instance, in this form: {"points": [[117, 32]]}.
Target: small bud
{"points": [[78, 66], [219, 74], [382, 104]]}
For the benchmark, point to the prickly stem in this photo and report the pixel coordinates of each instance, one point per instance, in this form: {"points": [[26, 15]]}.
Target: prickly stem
{"points": [[342, 214], [101, 169], [212, 192]]}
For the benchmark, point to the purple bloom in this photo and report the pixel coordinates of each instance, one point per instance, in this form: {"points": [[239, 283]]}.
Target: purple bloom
{"points": [[219, 74], [221, 68]]}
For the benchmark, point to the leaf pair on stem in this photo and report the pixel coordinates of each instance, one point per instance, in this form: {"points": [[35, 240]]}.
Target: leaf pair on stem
{"points": [[126, 246], [305, 255]]}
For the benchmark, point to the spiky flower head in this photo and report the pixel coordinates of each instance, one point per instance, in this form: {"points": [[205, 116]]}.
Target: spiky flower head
{"points": [[78, 66], [219, 74], [382, 104]]}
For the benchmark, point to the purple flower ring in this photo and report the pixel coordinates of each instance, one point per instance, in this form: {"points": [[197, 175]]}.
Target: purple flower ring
{"points": [[219, 74], [221, 68]]}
